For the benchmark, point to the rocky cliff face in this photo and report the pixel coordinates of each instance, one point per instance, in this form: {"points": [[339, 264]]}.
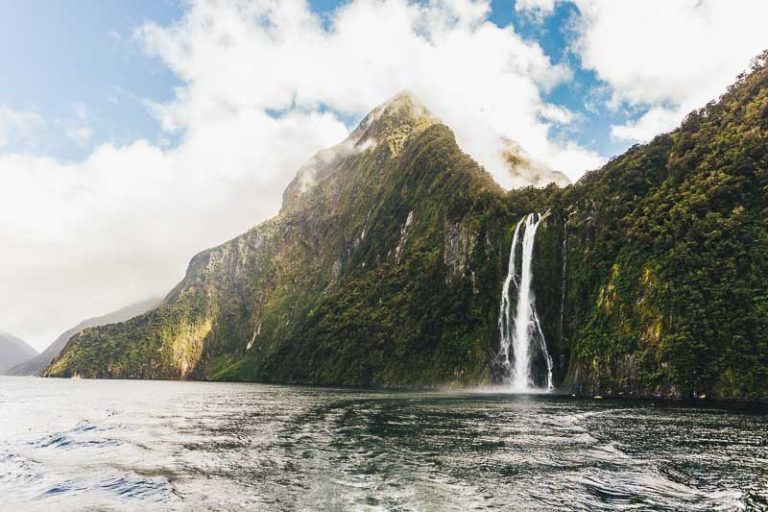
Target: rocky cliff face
{"points": [[525, 171]]}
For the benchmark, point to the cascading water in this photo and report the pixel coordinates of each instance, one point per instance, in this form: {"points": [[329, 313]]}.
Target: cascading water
{"points": [[523, 334], [504, 313]]}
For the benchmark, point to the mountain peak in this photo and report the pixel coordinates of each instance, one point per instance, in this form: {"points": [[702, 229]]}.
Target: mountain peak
{"points": [[402, 110], [389, 125]]}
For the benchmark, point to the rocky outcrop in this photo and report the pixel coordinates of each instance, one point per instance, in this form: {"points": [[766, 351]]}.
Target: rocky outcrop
{"points": [[460, 240]]}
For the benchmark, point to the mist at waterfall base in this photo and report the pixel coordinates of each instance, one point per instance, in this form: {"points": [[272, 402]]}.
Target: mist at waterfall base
{"points": [[523, 359], [167, 446]]}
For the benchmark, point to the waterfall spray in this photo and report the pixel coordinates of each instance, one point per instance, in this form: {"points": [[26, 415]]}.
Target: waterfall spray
{"points": [[523, 334]]}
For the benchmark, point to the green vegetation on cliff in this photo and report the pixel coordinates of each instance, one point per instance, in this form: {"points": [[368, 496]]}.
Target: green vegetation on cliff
{"points": [[385, 264], [667, 258]]}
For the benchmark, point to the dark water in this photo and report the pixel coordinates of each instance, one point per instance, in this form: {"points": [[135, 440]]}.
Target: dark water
{"points": [[121, 445]]}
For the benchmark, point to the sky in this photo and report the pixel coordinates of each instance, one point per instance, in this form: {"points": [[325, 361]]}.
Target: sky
{"points": [[135, 134]]}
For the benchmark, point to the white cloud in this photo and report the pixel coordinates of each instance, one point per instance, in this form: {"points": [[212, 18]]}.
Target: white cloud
{"points": [[537, 9], [481, 79], [18, 128], [657, 120], [671, 56], [556, 114], [83, 238]]}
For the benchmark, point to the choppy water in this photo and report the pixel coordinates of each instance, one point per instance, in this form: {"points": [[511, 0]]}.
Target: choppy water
{"points": [[122, 445]]}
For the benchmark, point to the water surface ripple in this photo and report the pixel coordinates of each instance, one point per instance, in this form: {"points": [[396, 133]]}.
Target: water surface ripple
{"points": [[140, 445]]}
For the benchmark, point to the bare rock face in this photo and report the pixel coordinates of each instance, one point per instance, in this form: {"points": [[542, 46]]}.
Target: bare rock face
{"points": [[460, 240]]}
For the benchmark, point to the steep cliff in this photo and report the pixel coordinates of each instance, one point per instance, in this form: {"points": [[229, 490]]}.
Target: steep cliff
{"points": [[667, 259]]}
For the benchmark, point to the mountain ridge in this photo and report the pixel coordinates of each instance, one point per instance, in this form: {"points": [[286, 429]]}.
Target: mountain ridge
{"points": [[383, 268], [242, 303], [13, 350], [36, 365]]}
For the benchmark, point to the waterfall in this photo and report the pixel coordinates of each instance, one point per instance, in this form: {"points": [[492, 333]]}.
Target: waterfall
{"points": [[523, 334], [504, 312]]}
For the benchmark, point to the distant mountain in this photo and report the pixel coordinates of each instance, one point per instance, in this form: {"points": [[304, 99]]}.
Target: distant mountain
{"points": [[13, 350], [524, 171], [37, 364]]}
